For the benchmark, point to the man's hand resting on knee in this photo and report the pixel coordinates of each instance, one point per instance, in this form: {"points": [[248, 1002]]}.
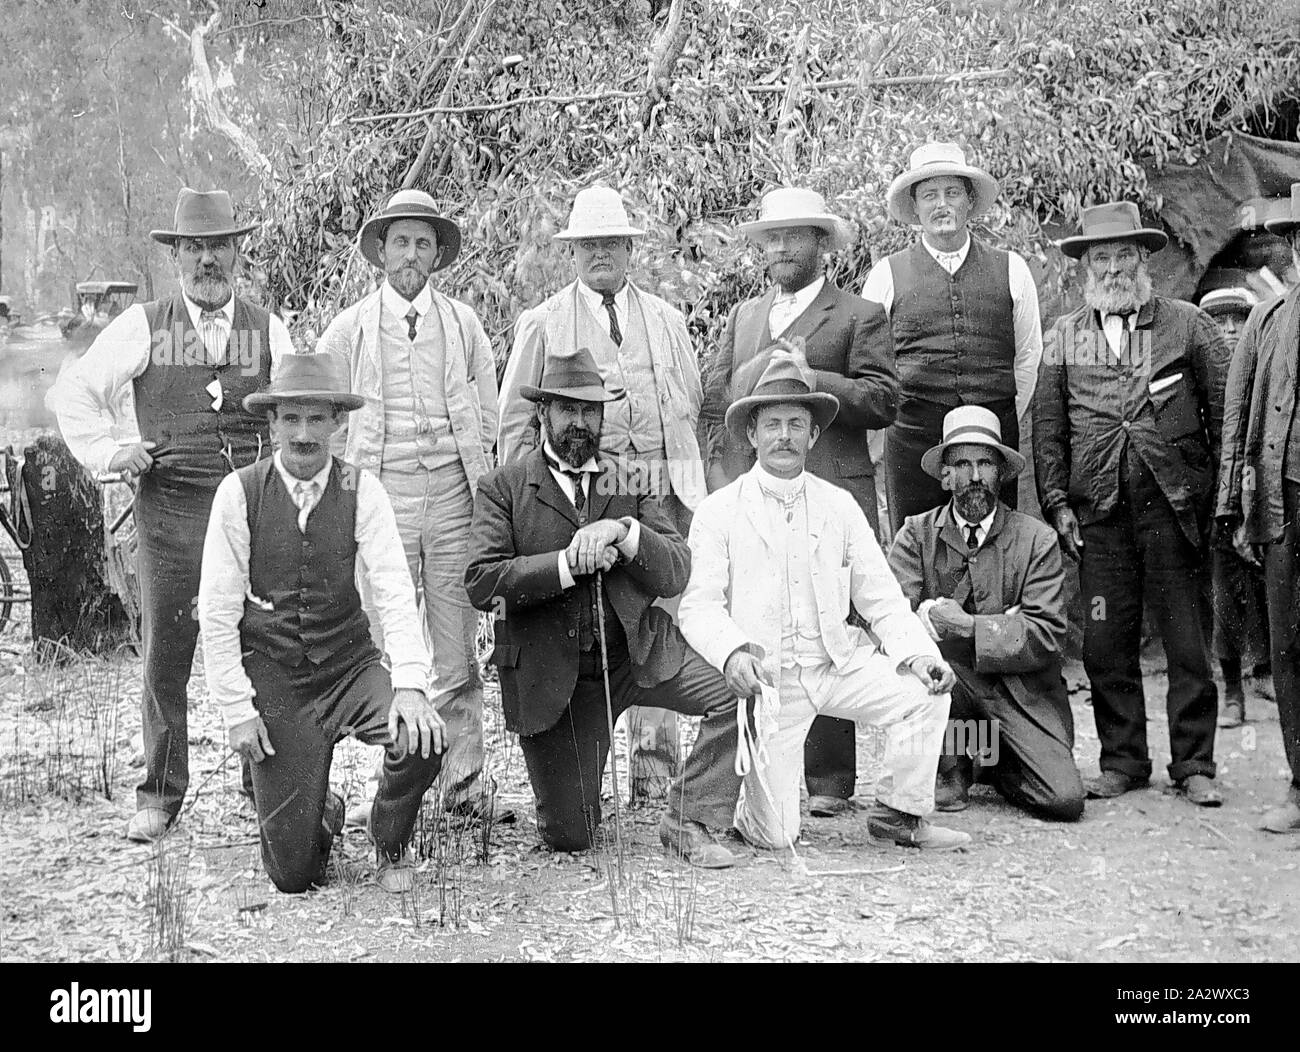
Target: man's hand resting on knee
{"points": [[250, 740], [424, 727]]}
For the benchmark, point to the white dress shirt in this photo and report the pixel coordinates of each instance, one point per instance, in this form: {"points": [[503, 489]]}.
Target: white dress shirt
{"points": [[627, 547], [399, 307], [1026, 323], [224, 585], [595, 302], [93, 397], [787, 306], [1113, 326]]}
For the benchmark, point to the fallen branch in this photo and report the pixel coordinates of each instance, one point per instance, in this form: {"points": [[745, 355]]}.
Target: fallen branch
{"points": [[854, 872]]}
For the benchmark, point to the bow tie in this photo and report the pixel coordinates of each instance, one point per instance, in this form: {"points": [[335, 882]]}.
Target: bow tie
{"points": [[212, 315]]}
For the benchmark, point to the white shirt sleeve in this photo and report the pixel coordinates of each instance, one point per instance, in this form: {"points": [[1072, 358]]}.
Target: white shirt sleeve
{"points": [[222, 585], [1028, 329], [379, 549], [879, 286], [631, 544], [89, 393]]}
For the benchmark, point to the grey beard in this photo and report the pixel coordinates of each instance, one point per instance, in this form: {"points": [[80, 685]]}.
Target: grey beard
{"points": [[209, 292], [975, 504], [573, 451], [1120, 301], [408, 281]]}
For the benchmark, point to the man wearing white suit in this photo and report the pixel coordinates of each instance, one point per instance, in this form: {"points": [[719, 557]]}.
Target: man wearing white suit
{"points": [[776, 557]]}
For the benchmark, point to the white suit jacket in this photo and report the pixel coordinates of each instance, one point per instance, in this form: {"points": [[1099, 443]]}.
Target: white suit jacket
{"points": [[736, 591], [469, 379]]}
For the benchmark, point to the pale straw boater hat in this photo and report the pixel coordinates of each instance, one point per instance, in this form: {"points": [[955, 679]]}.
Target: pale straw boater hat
{"points": [[1291, 221], [598, 212], [207, 213], [931, 161], [788, 206], [307, 377], [977, 425], [785, 381], [1112, 221], [1234, 300], [410, 204]]}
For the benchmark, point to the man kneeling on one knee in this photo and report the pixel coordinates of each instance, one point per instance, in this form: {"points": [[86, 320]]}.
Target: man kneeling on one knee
{"points": [[287, 647], [988, 582], [777, 557]]}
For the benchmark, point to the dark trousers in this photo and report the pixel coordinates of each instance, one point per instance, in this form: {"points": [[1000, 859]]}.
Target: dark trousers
{"points": [[170, 523], [1240, 613], [1137, 554], [1282, 571], [1031, 758], [567, 761], [909, 490], [307, 710]]}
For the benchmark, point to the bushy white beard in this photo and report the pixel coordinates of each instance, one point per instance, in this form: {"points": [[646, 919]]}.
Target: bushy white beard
{"points": [[1125, 300], [208, 292]]}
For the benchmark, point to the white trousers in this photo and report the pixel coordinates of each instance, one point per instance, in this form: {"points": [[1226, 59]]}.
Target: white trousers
{"points": [[868, 690]]}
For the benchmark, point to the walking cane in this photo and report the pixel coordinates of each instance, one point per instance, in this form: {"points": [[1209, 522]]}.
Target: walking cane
{"points": [[609, 716]]}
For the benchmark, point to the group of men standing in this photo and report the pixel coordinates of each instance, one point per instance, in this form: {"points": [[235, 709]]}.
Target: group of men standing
{"points": [[658, 541]]}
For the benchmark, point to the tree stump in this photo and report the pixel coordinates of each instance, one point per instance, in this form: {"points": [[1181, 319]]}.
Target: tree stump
{"points": [[73, 602]]}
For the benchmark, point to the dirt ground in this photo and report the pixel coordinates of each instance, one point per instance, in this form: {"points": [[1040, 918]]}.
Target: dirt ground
{"points": [[1145, 878]]}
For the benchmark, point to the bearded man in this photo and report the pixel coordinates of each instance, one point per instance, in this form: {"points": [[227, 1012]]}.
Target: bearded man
{"points": [[1127, 420], [987, 583], [425, 367], [159, 398]]}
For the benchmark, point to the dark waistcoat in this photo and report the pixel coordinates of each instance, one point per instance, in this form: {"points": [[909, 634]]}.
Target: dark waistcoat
{"points": [[308, 578], [954, 335], [174, 408]]}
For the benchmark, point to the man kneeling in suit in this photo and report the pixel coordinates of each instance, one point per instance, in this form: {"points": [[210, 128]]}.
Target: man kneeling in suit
{"points": [[987, 583], [544, 527], [282, 623]]}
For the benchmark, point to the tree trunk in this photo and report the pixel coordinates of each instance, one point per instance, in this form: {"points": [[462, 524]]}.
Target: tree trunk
{"points": [[72, 602]]}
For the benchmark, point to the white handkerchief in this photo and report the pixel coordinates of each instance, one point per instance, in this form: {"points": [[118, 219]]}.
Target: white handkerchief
{"points": [[218, 398], [1165, 381]]}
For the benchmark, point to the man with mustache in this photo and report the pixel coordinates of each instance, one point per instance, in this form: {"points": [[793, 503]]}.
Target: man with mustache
{"points": [[964, 318], [1259, 491], [1239, 596], [544, 527], [987, 581], [1126, 438], [424, 365], [158, 397], [846, 344], [778, 559], [287, 649], [641, 346]]}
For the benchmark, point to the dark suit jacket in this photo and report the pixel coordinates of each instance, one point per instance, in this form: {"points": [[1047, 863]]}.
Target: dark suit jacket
{"points": [[849, 347], [522, 521], [1258, 408], [1018, 566]]}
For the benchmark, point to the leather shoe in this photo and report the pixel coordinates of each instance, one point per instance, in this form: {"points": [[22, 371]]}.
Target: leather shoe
{"points": [[396, 878], [148, 825], [1199, 790], [1110, 784], [1282, 819], [691, 842], [897, 827], [1233, 713], [950, 792], [828, 806]]}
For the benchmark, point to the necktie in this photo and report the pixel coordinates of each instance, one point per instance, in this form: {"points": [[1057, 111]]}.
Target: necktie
{"points": [[212, 331], [615, 333], [412, 316], [579, 497], [305, 495], [972, 538]]}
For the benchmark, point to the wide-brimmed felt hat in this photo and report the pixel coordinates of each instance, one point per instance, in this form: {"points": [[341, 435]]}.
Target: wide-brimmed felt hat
{"points": [[1113, 221], [931, 161], [410, 204], [206, 213], [977, 425], [572, 376], [788, 206], [785, 381], [1234, 300], [304, 377], [598, 211], [1288, 222]]}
